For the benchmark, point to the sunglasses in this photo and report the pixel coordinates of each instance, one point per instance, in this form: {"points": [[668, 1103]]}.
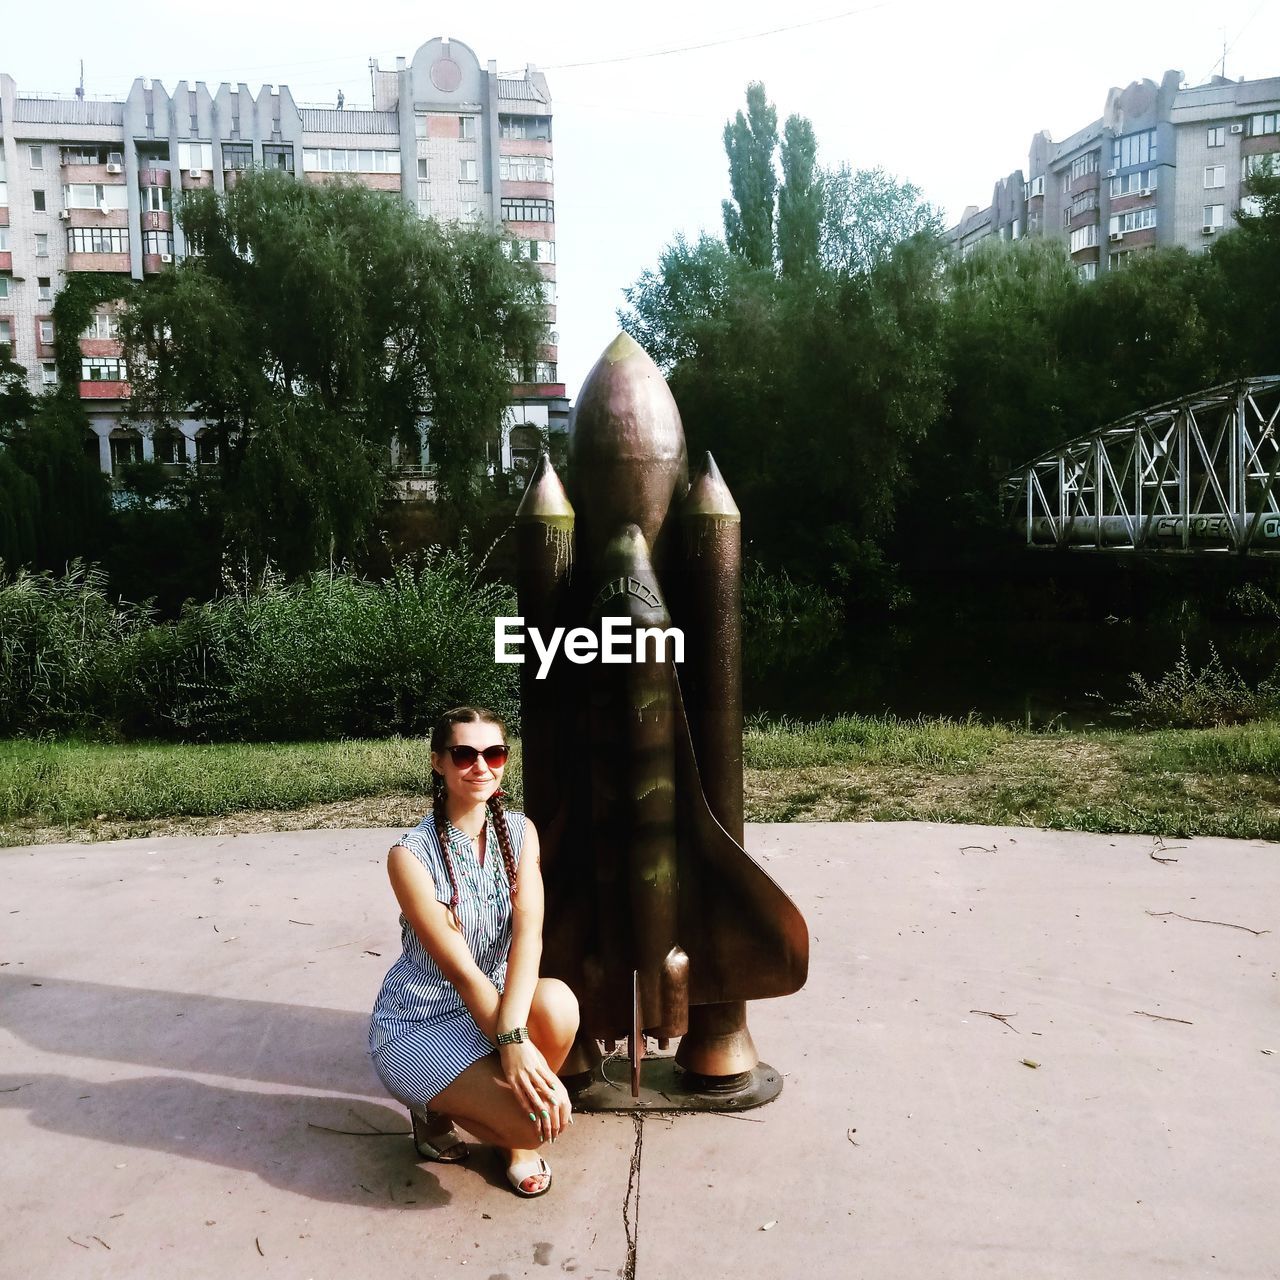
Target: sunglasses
{"points": [[495, 757]]}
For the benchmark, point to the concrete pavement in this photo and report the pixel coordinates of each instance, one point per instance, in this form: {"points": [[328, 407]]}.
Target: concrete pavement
{"points": [[182, 1027]]}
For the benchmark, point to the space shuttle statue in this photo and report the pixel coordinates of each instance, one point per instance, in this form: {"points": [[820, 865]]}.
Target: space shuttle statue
{"points": [[656, 916]]}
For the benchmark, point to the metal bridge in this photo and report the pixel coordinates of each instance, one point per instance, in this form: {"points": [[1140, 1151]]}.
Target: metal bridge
{"points": [[1196, 474]]}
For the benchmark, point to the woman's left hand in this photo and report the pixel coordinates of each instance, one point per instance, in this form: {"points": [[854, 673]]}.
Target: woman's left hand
{"points": [[537, 1088]]}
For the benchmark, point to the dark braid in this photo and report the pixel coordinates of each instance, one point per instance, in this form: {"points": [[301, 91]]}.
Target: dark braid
{"points": [[499, 816], [442, 834], [440, 741]]}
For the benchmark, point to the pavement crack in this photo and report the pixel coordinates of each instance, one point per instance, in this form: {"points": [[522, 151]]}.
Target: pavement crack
{"points": [[631, 1201]]}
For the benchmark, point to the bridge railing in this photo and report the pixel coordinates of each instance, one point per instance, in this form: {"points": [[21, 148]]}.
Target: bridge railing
{"points": [[1199, 473]]}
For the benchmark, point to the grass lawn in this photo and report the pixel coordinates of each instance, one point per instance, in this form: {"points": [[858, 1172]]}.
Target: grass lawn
{"points": [[1169, 782]]}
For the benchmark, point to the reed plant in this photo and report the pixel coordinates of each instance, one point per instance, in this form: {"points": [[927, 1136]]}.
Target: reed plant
{"points": [[329, 656]]}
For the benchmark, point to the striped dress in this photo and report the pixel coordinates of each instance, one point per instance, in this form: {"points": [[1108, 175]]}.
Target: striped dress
{"points": [[421, 1035]]}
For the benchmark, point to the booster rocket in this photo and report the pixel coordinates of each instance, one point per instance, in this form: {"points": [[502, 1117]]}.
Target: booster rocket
{"points": [[657, 917]]}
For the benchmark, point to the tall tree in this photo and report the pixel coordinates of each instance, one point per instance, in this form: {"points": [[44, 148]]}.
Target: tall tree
{"points": [[865, 213], [311, 327], [800, 199], [750, 142]]}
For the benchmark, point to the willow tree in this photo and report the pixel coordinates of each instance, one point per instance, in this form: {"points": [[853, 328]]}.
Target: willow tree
{"points": [[313, 325]]}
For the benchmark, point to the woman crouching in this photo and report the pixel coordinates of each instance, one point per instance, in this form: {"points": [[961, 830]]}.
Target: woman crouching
{"points": [[464, 1031]]}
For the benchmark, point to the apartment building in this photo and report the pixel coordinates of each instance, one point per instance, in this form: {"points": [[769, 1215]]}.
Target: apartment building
{"points": [[91, 185], [1166, 164]]}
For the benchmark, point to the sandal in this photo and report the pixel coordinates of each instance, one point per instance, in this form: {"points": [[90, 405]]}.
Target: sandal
{"points": [[446, 1147], [519, 1174]]}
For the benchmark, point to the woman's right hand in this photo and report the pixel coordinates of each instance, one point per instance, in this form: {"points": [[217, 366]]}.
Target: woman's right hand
{"points": [[537, 1088]]}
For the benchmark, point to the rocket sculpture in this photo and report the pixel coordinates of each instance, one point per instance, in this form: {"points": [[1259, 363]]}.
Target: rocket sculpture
{"points": [[656, 917]]}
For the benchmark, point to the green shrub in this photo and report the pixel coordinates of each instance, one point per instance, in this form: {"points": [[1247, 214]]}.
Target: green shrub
{"points": [[1186, 698], [61, 643], [329, 656]]}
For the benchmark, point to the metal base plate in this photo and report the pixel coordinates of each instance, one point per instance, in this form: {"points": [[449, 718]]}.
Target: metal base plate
{"points": [[666, 1087]]}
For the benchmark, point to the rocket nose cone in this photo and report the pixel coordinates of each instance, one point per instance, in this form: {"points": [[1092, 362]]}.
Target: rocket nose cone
{"points": [[545, 498], [626, 448], [709, 495]]}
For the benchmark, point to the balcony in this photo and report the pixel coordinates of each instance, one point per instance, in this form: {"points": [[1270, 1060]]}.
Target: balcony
{"points": [[154, 178], [157, 220], [104, 390], [153, 263], [6, 261], [101, 347], [1085, 182], [93, 173], [4, 215], [537, 390], [98, 262]]}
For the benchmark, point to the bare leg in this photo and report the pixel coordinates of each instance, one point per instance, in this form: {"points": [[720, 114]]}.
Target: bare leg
{"points": [[481, 1101]]}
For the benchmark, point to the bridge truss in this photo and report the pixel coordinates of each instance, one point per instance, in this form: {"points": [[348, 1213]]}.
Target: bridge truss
{"points": [[1197, 474]]}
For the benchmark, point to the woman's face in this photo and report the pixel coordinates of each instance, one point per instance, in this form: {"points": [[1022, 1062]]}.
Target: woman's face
{"points": [[472, 783]]}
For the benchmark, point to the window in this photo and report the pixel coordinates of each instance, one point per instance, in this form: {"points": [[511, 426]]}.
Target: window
{"points": [[1137, 148], [544, 371], [349, 160], [548, 292], [1133, 220], [156, 200], [49, 374], [1269, 162], [420, 125], [37, 201], [44, 288], [168, 447], [470, 211], [534, 250], [90, 195], [1128, 184], [1084, 237], [1082, 165], [82, 154], [4, 286], [467, 171], [528, 211], [157, 242], [104, 326], [98, 240], [1213, 215], [1216, 136], [206, 447], [4, 181], [467, 128], [237, 155], [1268, 122], [277, 157], [536, 127], [125, 450], [35, 155], [1034, 188], [1215, 175], [423, 172], [1015, 230], [42, 244], [45, 330], [4, 239], [103, 369], [6, 332], [195, 156], [525, 168], [1087, 271]]}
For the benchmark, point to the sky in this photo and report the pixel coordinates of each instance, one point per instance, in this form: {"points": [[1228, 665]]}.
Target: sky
{"points": [[944, 96]]}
